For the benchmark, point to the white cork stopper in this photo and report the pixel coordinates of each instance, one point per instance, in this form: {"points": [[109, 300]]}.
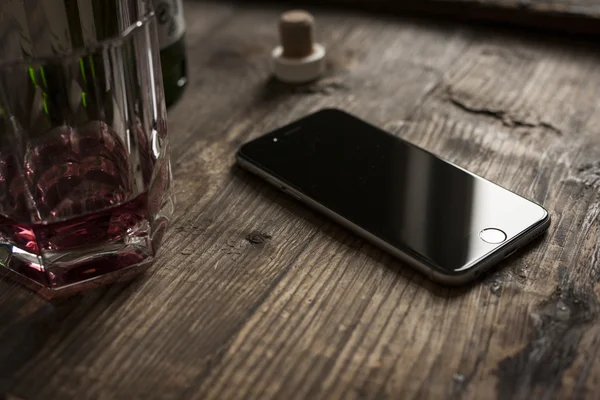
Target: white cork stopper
{"points": [[298, 59]]}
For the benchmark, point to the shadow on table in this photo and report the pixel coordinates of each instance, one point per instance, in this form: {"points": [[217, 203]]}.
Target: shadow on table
{"points": [[32, 327]]}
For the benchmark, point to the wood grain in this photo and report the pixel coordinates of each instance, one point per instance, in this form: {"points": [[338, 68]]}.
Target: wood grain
{"points": [[256, 297], [578, 16]]}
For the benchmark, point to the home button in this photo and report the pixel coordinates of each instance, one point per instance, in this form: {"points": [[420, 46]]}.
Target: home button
{"points": [[492, 235]]}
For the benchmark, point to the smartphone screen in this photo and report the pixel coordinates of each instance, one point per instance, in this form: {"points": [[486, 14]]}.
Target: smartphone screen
{"points": [[428, 208]]}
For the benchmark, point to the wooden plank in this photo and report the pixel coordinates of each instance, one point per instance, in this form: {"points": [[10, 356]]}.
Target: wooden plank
{"points": [[579, 16], [254, 296]]}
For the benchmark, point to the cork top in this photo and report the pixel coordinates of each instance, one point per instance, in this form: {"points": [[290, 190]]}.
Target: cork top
{"points": [[296, 30]]}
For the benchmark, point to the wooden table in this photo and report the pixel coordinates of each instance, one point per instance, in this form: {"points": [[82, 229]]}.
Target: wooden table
{"points": [[581, 16], [256, 297]]}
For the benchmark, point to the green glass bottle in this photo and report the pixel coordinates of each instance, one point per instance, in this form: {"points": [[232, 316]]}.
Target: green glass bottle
{"points": [[171, 34]]}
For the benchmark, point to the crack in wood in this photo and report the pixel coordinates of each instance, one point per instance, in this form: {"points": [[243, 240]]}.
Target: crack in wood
{"points": [[503, 116]]}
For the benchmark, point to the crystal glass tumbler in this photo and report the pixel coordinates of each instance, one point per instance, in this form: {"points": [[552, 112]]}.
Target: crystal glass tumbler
{"points": [[84, 162]]}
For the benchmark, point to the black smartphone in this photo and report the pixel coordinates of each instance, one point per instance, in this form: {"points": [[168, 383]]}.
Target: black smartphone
{"points": [[444, 221]]}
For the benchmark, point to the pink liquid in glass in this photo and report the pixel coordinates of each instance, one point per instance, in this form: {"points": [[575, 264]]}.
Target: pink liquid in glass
{"points": [[81, 203]]}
